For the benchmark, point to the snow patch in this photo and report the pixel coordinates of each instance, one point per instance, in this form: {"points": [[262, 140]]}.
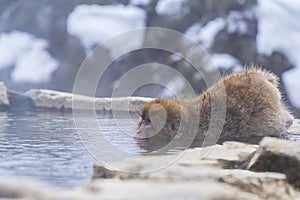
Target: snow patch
{"points": [[29, 57], [279, 30], [236, 23], [94, 24], [140, 2], [175, 57], [174, 87], [169, 7], [292, 84], [206, 34], [226, 61]]}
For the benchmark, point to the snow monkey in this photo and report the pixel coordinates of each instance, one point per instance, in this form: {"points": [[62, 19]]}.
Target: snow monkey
{"points": [[254, 109]]}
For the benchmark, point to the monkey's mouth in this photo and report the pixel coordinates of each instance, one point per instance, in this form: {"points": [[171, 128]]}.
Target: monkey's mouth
{"points": [[144, 127]]}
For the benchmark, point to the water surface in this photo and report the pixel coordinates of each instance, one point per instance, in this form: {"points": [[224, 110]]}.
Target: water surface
{"points": [[47, 146]]}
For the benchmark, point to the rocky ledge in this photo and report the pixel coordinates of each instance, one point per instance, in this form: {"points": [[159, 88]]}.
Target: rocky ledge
{"points": [[233, 170], [62, 101]]}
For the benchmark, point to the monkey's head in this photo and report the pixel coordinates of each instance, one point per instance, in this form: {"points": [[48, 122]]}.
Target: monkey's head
{"points": [[160, 122]]}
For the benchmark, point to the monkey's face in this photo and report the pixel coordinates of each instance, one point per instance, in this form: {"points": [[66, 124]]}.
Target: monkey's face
{"points": [[159, 123]]}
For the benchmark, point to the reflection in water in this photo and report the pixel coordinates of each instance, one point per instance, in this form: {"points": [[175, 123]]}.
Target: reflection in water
{"points": [[47, 146]]}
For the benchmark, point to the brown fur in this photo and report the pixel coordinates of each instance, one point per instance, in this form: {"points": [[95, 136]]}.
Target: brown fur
{"points": [[254, 110]]}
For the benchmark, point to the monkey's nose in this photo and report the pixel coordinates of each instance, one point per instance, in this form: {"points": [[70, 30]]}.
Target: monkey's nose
{"points": [[140, 134]]}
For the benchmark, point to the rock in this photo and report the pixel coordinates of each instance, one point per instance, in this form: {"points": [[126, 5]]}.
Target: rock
{"points": [[195, 174], [117, 189], [132, 104], [101, 172], [58, 100], [276, 155], [24, 188], [201, 166], [3, 95], [13, 188], [48, 99], [19, 101], [215, 157], [232, 184], [148, 190], [212, 153], [243, 150], [205, 160], [265, 185]]}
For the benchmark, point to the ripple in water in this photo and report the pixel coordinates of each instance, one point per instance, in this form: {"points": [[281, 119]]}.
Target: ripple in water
{"points": [[47, 146]]}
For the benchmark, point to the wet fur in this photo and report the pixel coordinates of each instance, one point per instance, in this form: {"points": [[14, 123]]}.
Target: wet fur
{"points": [[254, 109]]}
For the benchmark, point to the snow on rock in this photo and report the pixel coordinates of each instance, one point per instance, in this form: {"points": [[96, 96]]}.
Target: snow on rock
{"points": [[94, 24], [169, 7], [226, 61], [206, 34], [279, 30], [28, 56]]}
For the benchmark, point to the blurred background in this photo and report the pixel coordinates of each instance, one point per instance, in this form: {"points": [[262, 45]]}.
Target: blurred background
{"points": [[44, 42]]}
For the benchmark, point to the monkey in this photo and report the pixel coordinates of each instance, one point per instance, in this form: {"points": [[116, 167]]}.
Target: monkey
{"points": [[253, 109]]}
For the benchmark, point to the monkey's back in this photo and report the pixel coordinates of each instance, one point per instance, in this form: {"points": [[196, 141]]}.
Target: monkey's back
{"points": [[254, 106]]}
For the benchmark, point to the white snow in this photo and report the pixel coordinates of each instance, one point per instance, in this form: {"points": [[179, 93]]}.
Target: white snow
{"points": [[28, 56], [175, 57], [140, 2], [226, 61], [169, 7], [94, 24], [236, 23], [206, 34], [174, 87], [279, 30]]}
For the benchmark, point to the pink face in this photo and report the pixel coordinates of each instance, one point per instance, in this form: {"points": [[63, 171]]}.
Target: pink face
{"points": [[144, 126], [149, 135]]}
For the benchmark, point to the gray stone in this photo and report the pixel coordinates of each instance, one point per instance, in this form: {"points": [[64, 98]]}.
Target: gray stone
{"points": [[3, 95], [132, 104], [19, 101], [117, 189], [48, 99], [149, 190], [200, 165], [265, 185], [174, 182], [58, 100], [195, 174], [276, 155], [23, 188]]}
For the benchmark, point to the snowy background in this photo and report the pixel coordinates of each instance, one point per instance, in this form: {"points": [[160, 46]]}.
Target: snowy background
{"points": [[43, 43]]}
